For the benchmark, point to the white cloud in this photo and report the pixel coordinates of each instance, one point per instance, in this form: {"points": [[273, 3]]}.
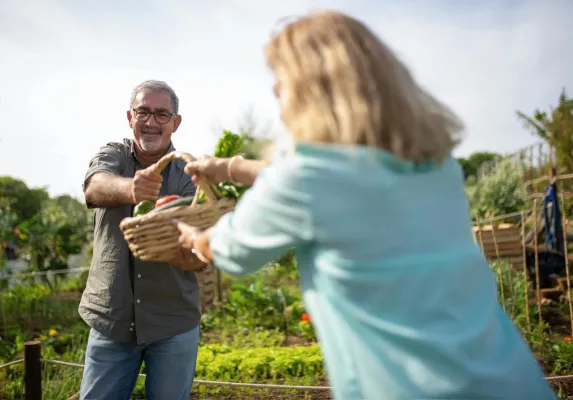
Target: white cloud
{"points": [[68, 68]]}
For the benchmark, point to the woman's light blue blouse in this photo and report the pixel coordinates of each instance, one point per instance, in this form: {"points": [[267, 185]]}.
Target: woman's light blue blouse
{"points": [[403, 303]]}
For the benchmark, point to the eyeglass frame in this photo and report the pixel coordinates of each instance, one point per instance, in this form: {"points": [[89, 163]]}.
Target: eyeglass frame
{"points": [[135, 111]]}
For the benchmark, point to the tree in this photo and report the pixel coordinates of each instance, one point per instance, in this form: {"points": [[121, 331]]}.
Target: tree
{"points": [[7, 234], [472, 164], [555, 127], [24, 202], [46, 230], [53, 234], [252, 125]]}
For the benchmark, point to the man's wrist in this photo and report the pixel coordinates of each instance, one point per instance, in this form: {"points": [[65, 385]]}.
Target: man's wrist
{"points": [[127, 190]]}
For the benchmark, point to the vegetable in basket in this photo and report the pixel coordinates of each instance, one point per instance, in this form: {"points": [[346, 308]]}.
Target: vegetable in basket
{"points": [[166, 199], [229, 145], [180, 201], [142, 208]]}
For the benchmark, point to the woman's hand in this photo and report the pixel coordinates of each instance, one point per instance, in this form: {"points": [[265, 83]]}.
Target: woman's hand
{"points": [[188, 235], [213, 168], [236, 169], [194, 240]]}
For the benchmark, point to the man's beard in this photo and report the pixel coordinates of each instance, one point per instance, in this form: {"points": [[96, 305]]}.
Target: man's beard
{"points": [[150, 145]]}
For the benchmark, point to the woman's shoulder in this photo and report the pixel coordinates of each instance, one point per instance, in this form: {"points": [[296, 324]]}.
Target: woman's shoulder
{"points": [[356, 158]]}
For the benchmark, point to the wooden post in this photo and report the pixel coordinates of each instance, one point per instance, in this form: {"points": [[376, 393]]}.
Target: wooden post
{"points": [[32, 370], [536, 252], [525, 281], [219, 286]]}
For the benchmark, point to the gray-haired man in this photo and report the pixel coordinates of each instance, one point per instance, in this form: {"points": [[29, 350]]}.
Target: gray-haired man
{"points": [[138, 311]]}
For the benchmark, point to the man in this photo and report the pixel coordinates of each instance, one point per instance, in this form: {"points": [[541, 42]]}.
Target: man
{"points": [[138, 311]]}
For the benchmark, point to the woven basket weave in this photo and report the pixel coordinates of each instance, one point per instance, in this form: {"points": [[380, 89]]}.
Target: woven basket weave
{"points": [[154, 237]]}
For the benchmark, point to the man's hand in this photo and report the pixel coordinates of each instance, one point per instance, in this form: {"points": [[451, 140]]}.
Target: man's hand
{"points": [[145, 185]]}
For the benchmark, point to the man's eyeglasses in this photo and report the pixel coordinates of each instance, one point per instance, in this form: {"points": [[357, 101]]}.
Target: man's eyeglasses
{"points": [[162, 117]]}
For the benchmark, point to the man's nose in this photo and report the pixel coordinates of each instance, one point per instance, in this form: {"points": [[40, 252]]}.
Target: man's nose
{"points": [[151, 121]]}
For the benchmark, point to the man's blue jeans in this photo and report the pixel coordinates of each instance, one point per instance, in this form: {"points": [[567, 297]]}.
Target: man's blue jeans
{"points": [[111, 368]]}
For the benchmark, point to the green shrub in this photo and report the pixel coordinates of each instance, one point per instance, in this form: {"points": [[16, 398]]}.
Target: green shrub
{"points": [[499, 193]]}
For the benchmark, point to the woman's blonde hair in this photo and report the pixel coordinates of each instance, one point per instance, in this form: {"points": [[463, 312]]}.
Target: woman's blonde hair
{"points": [[344, 86]]}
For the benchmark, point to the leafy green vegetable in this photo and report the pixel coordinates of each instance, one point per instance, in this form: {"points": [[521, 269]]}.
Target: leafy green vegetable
{"points": [[230, 144], [143, 208]]}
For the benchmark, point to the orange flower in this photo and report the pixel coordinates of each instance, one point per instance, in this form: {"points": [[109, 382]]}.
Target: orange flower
{"points": [[305, 317], [567, 339]]}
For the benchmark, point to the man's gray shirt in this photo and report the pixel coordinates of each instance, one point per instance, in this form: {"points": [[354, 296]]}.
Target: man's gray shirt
{"points": [[127, 299]]}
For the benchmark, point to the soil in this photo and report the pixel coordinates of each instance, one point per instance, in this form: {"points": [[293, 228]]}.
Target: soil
{"points": [[559, 323]]}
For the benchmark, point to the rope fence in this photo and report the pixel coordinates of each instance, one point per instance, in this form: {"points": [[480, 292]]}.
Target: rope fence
{"points": [[43, 273], [33, 378]]}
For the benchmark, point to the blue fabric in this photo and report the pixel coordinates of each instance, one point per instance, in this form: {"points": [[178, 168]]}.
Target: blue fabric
{"points": [[553, 224], [403, 303], [111, 368]]}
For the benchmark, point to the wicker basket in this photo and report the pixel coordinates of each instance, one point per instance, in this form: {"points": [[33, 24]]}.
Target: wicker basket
{"points": [[154, 237], [208, 288]]}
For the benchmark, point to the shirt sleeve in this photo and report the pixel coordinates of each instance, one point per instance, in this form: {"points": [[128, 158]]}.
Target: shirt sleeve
{"points": [[272, 217], [108, 159]]}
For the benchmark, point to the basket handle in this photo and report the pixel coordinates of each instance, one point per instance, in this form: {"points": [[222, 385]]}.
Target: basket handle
{"points": [[205, 184]]}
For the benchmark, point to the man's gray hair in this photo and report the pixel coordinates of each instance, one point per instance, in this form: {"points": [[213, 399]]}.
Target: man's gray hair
{"points": [[157, 86]]}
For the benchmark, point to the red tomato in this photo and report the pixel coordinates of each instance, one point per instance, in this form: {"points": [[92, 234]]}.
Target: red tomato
{"points": [[165, 199]]}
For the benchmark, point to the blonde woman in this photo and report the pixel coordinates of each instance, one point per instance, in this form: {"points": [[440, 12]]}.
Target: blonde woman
{"points": [[402, 300]]}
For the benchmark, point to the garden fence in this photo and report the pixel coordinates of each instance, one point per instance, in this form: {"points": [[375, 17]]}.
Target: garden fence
{"points": [[33, 274], [532, 158], [506, 243]]}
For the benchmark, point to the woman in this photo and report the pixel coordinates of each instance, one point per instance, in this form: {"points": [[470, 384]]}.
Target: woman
{"points": [[370, 198]]}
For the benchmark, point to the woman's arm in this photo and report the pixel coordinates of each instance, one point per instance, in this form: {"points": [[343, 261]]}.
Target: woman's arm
{"points": [[235, 169], [271, 218], [245, 171]]}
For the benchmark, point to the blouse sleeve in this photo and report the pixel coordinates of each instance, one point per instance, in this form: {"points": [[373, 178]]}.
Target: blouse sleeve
{"points": [[272, 217]]}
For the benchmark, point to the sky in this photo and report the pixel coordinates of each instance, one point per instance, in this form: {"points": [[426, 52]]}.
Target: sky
{"points": [[67, 69]]}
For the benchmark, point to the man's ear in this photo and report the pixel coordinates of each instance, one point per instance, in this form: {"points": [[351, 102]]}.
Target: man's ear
{"points": [[129, 117], [177, 122]]}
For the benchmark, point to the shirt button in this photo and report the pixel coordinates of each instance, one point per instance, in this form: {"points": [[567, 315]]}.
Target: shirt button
{"points": [[133, 324], [131, 329], [139, 275], [139, 301]]}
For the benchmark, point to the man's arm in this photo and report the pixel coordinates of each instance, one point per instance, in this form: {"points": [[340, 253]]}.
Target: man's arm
{"points": [[103, 185], [105, 189]]}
